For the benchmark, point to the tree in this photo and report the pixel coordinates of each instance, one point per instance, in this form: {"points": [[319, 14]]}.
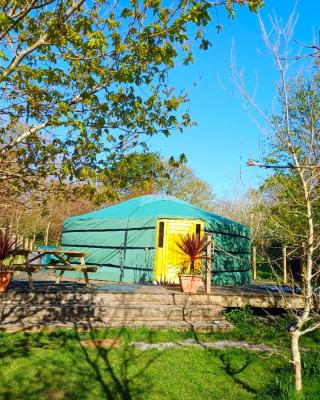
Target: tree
{"points": [[148, 173], [29, 214], [247, 209], [137, 174], [294, 148], [285, 223], [81, 83], [181, 182]]}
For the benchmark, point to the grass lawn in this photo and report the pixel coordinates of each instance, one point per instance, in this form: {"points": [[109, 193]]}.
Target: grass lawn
{"points": [[56, 366]]}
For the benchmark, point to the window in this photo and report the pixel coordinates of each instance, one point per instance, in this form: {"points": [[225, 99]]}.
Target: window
{"points": [[198, 229], [161, 234]]}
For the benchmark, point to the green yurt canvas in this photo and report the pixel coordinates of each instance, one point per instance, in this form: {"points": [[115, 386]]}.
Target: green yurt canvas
{"points": [[133, 241]]}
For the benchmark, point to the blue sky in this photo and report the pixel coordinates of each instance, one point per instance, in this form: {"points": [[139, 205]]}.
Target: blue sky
{"points": [[226, 136]]}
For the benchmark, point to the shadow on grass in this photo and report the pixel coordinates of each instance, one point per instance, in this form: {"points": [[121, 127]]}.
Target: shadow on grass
{"points": [[56, 364], [32, 368], [122, 384], [233, 366]]}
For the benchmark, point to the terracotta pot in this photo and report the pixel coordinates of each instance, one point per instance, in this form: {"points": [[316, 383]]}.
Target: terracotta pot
{"points": [[190, 283], [5, 278]]}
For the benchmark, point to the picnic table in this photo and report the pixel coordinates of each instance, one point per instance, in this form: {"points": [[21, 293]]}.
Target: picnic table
{"points": [[61, 260]]}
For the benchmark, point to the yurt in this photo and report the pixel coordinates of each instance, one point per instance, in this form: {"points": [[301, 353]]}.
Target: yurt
{"points": [[135, 241]]}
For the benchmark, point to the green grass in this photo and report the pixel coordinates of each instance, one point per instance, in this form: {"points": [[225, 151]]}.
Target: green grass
{"points": [[55, 366], [266, 273]]}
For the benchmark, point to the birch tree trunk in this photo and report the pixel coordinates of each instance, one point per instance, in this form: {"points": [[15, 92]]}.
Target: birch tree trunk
{"points": [[296, 361]]}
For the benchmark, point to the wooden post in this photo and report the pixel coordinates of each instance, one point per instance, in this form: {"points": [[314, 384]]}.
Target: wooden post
{"points": [[210, 249], [254, 263], [284, 264]]}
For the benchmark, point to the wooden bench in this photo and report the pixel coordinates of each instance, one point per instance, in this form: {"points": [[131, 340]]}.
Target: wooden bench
{"points": [[29, 269], [63, 263], [75, 268]]}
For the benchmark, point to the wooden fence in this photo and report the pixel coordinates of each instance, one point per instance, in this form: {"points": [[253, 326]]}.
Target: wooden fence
{"points": [[21, 241], [283, 264]]}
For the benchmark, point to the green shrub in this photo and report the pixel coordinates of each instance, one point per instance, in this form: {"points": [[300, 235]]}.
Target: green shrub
{"points": [[240, 316]]}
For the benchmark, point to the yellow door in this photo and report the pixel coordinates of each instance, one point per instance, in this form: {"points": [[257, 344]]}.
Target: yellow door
{"points": [[169, 258]]}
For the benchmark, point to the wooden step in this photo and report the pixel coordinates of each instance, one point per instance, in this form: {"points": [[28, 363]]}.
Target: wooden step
{"points": [[87, 297], [142, 311], [196, 326], [85, 308]]}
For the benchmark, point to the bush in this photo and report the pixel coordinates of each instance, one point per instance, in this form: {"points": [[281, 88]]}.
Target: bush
{"points": [[240, 316]]}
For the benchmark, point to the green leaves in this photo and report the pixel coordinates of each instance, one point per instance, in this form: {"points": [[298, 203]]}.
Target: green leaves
{"points": [[291, 194], [3, 55], [96, 76], [199, 13]]}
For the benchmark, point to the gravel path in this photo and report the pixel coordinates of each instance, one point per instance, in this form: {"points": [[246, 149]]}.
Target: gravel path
{"points": [[204, 345]]}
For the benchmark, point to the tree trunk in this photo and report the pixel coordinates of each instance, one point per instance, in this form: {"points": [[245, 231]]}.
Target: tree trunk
{"points": [[46, 236], [296, 361]]}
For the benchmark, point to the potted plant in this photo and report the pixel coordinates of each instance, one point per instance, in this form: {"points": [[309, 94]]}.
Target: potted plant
{"points": [[8, 249], [192, 247]]}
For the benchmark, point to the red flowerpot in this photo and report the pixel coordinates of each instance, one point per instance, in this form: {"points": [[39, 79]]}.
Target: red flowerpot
{"points": [[190, 283], [5, 278]]}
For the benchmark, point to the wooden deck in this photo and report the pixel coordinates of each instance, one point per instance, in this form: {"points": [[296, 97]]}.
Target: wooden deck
{"points": [[71, 304], [256, 295], [260, 295]]}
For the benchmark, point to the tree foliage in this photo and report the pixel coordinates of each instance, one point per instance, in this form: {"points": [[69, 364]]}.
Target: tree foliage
{"points": [[82, 82], [181, 181], [284, 198], [284, 223]]}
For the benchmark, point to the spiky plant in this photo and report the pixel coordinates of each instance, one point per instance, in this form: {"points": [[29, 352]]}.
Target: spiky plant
{"points": [[8, 246], [193, 247]]}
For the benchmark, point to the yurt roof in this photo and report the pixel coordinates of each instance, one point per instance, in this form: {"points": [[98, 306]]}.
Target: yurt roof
{"points": [[160, 206]]}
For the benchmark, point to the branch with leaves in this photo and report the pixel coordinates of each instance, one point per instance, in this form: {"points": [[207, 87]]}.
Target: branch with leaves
{"points": [[83, 78]]}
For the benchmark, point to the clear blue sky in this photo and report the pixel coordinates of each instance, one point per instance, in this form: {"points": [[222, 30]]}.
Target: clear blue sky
{"points": [[226, 136]]}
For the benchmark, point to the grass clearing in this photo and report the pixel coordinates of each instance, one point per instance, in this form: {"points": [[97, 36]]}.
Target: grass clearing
{"points": [[57, 365], [54, 365]]}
